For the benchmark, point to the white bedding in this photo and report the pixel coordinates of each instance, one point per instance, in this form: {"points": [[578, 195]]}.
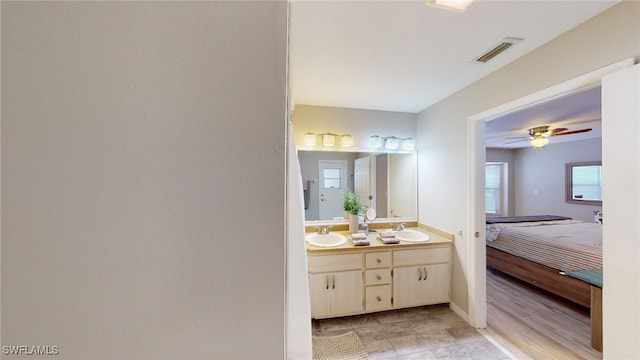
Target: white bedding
{"points": [[565, 245]]}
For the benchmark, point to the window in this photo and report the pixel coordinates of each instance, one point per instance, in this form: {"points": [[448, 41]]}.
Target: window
{"points": [[496, 188], [332, 178], [584, 183]]}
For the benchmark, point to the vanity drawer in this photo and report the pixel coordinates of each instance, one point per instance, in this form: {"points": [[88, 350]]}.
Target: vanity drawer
{"points": [[378, 298], [377, 277], [378, 260], [434, 255], [326, 263]]}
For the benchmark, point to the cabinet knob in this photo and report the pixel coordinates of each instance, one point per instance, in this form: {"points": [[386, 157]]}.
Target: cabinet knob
{"points": [[379, 277], [378, 298], [378, 261]]}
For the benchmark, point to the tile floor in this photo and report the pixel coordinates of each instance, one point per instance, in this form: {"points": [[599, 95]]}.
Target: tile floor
{"points": [[427, 332]]}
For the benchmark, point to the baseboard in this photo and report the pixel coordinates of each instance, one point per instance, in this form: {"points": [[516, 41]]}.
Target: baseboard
{"points": [[459, 312]]}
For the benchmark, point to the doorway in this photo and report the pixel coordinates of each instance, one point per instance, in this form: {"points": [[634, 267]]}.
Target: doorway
{"points": [[476, 160], [364, 181], [333, 183]]}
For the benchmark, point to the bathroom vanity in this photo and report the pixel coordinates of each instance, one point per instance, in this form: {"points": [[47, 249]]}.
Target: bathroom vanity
{"points": [[350, 280]]}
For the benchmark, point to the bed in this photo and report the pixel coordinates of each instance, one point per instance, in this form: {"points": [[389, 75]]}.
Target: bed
{"points": [[539, 249]]}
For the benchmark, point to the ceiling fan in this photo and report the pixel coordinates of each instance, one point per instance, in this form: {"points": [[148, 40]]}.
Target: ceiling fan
{"points": [[538, 136]]}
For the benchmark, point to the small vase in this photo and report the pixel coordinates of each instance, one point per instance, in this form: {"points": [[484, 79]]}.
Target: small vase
{"points": [[353, 223]]}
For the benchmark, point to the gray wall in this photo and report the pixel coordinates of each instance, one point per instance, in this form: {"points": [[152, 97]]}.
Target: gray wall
{"points": [[506, 156], [139, 141], [540, 178], [537, 177], [442, 160]]}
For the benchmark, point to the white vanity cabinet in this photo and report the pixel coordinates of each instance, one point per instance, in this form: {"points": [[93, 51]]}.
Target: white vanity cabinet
{"points": [[351, 280], [335, 284], [421, 276]]}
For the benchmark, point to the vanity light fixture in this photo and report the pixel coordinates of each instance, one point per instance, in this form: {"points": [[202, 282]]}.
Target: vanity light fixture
{"points": [[375, 141], [539, 142], [346, 140], [392, 143], [310, 139], [409, 144], [455, 5], [328, 139]]}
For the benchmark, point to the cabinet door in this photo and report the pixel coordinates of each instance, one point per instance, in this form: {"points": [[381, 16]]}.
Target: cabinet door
{"points": [[346, 289], [407, 282], [320, 294], [435, 288]]}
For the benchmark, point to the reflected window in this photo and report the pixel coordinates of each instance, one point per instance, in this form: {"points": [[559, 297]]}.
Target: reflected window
{"points": [[584, 183], [331, 178]]}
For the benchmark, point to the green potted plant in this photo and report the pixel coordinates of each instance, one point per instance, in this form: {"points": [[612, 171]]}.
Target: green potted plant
{"points": [[353, 206]]}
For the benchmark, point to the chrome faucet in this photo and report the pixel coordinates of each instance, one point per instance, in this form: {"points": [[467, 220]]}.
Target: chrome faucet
{"points": [[323, 230], [397, 227]]}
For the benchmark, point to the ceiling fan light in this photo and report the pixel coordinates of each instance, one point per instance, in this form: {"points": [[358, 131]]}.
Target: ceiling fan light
{"points": [[539, 142], [455, 5]]}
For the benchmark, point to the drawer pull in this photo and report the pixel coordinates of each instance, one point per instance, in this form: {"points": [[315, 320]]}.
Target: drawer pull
{"points": [[333, 283], [327, 281], [419, 274], [378, 277], [378, 298], [378, 261]]}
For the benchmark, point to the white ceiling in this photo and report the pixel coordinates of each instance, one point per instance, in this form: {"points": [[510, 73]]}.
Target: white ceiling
{"points": [[581, 110], [404, 55]]}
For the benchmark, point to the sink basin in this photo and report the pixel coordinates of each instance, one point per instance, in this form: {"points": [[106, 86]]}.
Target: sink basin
{"points": [[326, 240], [411, 235]]}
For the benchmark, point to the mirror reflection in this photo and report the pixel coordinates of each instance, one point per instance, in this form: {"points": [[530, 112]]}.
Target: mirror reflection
{"points": [[383, 181]]}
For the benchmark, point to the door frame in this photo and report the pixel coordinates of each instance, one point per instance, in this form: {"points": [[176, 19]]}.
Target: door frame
{"points": [[476, 157]]}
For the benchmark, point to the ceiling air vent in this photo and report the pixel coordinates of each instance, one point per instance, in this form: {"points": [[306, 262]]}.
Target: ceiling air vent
{"points": [[498, 49]]}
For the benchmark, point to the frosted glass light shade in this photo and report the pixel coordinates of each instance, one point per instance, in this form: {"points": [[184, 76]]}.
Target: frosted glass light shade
{"points": [[375, 141], [310, 139], [346, 140], [409, 144], [539, 142], [328, 140], [455, 5], [392, 143]]}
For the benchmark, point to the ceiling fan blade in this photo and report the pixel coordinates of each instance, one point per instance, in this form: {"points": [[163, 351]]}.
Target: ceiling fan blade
{"points": [[511, 142], [557, 130], [517, 137], [571, 132]]}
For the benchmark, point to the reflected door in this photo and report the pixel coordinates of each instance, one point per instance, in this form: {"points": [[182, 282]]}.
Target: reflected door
{"points": [[364, 181], [331, 188]]}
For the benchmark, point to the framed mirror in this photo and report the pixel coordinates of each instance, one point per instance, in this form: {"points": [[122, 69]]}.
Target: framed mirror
{"points": [[584, 183], [384, 181]]}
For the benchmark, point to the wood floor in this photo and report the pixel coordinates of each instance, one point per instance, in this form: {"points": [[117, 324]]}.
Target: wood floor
{"points": [[532, 324]]}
